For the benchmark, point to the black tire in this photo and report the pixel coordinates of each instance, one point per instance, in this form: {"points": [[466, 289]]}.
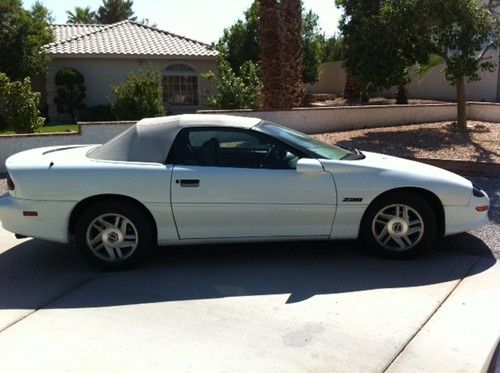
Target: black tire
{"points": [[419, 208], [138, 225]]}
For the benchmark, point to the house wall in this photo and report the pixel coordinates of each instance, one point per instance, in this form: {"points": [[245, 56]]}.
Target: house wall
{"points": [[432, 85], [100, 74]]}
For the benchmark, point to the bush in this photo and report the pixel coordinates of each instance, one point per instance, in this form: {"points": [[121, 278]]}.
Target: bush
{"points": [[70, 91], [19, 106], [141, 96], [99, 113], [233, 91]]}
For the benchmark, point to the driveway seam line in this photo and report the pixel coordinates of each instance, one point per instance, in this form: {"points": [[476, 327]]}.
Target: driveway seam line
{"points": [[49, 302], [412, 337]]}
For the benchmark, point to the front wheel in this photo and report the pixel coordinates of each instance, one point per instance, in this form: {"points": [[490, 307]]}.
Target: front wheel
{"points": [[399, 225], [113, 236]]}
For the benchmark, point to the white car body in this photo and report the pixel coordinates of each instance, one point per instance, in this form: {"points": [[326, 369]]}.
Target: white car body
{"points": [[230, 204]]}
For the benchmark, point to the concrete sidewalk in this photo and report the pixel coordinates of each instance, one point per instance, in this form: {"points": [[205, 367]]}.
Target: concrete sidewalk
{"points": [[281, 307]]}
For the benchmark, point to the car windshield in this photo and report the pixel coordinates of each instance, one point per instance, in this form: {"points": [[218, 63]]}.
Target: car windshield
{"points": [[308, 144]]}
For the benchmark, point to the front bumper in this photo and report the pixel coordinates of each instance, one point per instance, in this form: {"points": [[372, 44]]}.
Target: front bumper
{"points": [[463, 218], [51, 223]]}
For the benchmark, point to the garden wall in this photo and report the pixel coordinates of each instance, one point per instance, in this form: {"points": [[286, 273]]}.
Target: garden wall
{"points": [[432, 85], [308, 120], [317, 120], [89, 134]]}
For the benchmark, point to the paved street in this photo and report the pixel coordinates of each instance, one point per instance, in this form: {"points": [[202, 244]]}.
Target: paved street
{"points": [[307, 306]]}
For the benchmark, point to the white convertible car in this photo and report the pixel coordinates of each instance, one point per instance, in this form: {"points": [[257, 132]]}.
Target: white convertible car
{"points": [[212, 178]]}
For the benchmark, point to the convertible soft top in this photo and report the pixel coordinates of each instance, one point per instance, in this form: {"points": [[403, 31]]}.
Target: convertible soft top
{"points": [[150, 139]]}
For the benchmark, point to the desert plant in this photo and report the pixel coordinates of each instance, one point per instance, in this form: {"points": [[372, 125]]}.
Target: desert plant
{"points": [[19, 105], [139, 97], [235, 91], [70, 92]]}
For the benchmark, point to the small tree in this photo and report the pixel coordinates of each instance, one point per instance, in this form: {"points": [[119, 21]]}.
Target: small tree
{"points": [[19, 105], [141, 96], [235, 91], [313, 47], [382, 41], [70, 92], [464, 31]]}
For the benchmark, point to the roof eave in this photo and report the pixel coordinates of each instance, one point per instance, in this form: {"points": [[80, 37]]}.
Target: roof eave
{"points": [[130, 56]]}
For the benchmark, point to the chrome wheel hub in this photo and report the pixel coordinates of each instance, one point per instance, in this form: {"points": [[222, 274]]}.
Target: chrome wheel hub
{"points": [[112, 237], [398, 227]]}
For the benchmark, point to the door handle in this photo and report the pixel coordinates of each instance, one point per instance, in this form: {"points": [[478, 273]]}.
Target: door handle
{"points": [[188, 183]]}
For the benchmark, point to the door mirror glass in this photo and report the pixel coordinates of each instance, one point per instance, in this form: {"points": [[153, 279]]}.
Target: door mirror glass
{"points": [[309, 165]]}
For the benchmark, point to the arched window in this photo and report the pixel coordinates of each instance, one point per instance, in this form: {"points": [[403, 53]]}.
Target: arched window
{"points": [[180, 85]]}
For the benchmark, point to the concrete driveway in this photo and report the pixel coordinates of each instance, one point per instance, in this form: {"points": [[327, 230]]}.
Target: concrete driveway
{"points": [[274, 308]]}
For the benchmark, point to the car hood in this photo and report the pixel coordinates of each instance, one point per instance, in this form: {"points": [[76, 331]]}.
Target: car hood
{"points": [[380, 172]]}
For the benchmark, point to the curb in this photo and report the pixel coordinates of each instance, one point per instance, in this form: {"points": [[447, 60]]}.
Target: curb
{"points": [[464, 167]]}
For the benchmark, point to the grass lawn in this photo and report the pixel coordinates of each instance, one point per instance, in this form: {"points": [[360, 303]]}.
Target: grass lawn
{"points": [[49, 128]]}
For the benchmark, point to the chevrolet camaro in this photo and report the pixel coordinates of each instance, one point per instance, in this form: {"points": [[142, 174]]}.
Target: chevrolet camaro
{"points": [[193, 179]]}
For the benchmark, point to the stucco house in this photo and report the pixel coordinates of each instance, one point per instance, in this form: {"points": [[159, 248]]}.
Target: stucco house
{"points": [[105, 54]]}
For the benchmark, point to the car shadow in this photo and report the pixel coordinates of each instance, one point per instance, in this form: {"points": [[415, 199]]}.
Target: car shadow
{"points": [[36, 274]]}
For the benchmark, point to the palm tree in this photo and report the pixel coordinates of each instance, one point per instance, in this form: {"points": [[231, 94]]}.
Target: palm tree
{"points": [[81, 15], [270, 53], [112, 11], [280, 25], [291, 53]]}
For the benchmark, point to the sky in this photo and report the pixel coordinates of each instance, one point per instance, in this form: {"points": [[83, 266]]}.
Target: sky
{"points": [[202, 20]]}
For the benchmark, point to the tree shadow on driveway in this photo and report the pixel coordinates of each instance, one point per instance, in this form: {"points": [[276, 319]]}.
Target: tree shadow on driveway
{"points": [[37, 274]]}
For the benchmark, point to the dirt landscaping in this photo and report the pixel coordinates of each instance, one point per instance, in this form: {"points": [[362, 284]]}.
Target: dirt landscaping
{"points": [[318, 100], [429, 140]]}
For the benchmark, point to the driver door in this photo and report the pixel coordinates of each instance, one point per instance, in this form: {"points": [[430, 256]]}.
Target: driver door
{"points": [[232, 183]]}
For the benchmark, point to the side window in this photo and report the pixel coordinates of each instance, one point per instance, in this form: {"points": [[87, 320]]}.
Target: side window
{"points": [[231, 148]]}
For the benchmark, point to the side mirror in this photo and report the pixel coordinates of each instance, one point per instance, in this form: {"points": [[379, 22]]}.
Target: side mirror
{"points": [[309, 165]]}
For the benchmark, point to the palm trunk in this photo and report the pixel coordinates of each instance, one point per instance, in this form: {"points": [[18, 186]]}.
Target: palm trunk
{"points": [[401, 95], [270, 55], [291, 49], [461, 105], [352, 91]]}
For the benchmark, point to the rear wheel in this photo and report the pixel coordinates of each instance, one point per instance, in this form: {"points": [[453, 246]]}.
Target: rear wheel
{"points": [[113, 236], [399, 225]]}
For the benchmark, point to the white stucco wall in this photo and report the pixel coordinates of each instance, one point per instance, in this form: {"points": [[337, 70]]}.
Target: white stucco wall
{"points": [[432, 85], [102, 73], [308, 120], [318, 120]]}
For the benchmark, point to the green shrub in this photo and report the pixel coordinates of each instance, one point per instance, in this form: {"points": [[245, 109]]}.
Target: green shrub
{"points": [[141, 96], [19, 106], [235, 91], [99, 113], [70, 92]]}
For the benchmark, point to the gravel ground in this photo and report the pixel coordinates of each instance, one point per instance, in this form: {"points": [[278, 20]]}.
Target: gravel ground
{"points": [[373, 101], [428, 140], [489, 234], [3, 183]]}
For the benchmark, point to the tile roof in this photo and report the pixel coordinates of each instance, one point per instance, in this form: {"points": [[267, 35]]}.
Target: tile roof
{"points": [[124, 38]]}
